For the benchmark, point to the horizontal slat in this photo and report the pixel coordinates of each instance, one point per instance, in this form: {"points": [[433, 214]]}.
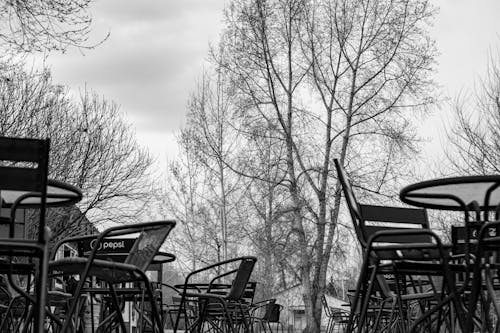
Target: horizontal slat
{"points": [[370, 230], [21, 179], [394, 214], [22, 149]]}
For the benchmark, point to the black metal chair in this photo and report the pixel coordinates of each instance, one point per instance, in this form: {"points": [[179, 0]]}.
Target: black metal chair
{"points": [[218, 309], [398, 246], [24, 169], [151, 237], [266, 314], [337, 318]]}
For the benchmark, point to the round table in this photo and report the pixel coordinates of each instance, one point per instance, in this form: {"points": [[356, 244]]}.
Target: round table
{"points": [[58, 194], [163, 258], [456, 193], [467, 193]]}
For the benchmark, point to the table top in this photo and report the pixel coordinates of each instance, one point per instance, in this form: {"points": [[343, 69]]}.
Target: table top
{"points": [[202, 287], [163, 257], [454, 193], [58, 194]]}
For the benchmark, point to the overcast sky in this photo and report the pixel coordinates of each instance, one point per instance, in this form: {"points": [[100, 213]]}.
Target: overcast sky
{"points": [[156, 50]]}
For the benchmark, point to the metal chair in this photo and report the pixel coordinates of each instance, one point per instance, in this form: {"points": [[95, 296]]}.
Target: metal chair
{"points": [[23, 172], [337, 318], [216, 309], [146, 246], [265, 314]]}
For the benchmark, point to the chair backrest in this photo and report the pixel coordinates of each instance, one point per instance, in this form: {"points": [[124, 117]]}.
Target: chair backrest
{"points": [[242, 277], [24, 168], [249, 293], [459, 237], [369, 219], [272, 314], [339, 314], [147, 245]]}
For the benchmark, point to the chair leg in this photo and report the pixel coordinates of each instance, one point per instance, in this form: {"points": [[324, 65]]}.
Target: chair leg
{"points": [[141, 323], [156, 316], [358, 294], [366, 298], [116, 304]]}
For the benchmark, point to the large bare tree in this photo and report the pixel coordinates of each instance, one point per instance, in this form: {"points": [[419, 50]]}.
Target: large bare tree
{"points": [[474, 140], [339, 79]]}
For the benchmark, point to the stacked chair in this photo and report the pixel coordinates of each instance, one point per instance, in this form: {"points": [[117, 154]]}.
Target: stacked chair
{"points": [[407, 276], [266, 314], [24, 167], [337, 318], [218, 306], [113, 274]]}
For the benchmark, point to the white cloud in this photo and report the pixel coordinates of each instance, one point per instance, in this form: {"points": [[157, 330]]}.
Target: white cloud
{"points": [[151, 59]]}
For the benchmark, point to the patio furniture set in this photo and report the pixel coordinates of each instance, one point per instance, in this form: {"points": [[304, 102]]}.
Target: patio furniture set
{"points": [[29, 302], [410, 281]]}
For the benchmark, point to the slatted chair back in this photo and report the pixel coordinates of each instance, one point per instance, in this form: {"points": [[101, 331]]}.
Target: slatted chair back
{"points": [[240, 282], [273, 311], [249, 293], [461, 242], [383, 218], [24, 168], [369, 219]]}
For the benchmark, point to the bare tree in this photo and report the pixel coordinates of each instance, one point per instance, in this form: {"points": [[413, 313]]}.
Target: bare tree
{"points": [[40, 25], [267, 228], [339, 78], [474, 140], [92, 146], [208, 119], [212, 142], [196, 237]]}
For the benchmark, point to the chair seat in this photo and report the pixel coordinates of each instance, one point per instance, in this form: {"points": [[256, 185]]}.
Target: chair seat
{"points": [[112, 272]]}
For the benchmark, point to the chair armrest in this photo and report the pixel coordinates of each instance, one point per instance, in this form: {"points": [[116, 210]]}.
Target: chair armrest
{"points": [[438, 245], [262, 304]]}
